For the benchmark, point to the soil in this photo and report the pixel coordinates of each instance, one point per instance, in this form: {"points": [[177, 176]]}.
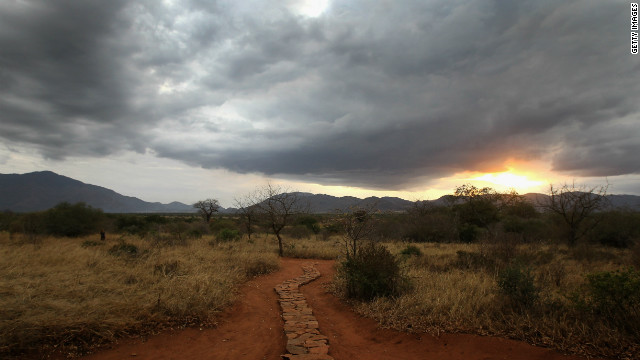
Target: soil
{"points": [[253, 329]]}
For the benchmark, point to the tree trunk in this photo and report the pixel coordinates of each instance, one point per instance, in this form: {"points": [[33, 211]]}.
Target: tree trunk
{"points": [[280, 249]]}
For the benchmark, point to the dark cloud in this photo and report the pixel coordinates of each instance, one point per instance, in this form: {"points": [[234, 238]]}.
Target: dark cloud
{"points": [[378, 95]]}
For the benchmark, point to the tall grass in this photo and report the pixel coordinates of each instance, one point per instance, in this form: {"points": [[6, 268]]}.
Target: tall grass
{"points": [[77, 293], [455, 289]]}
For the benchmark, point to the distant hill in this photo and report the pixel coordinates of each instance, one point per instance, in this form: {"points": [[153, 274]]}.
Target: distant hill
{"points": [[43, 190], [321, 203], [326, 203], [631, 202]]}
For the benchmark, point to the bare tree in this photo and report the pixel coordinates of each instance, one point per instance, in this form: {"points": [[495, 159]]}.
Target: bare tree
{"points": [[575, 205], [207, 208], [357, 224], [279, 208], [248, 213]]}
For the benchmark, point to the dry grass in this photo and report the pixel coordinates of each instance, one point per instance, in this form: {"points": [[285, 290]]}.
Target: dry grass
{"points": [[75, 293], [455, 292], [313, 248]]}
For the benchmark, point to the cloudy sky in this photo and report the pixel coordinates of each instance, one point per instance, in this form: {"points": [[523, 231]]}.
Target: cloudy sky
{"points": [[182, 100]]}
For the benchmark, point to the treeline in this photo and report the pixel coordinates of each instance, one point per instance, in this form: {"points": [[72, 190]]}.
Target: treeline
{"points": [[469, 215]]}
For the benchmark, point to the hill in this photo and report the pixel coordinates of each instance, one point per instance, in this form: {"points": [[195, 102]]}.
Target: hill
{"points": [[42, 190]]}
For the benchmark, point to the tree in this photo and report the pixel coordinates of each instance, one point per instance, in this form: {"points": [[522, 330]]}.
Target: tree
{"points": [[207, 208], [479, 207], [357, 224], [248, 213], [575, 205], [278, 207]]}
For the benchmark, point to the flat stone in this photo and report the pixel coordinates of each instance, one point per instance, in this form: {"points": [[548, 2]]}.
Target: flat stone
{"points": [[297, 350]]}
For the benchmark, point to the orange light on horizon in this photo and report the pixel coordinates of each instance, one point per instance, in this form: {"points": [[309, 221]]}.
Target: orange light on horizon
{"points": [[509, 180]]}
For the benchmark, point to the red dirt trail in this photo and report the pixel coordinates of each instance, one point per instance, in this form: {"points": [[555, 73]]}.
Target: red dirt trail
{"points": [[253, 329]]}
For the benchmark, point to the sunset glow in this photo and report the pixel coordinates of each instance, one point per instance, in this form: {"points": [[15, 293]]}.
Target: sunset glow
{"points": [[509, 180]]}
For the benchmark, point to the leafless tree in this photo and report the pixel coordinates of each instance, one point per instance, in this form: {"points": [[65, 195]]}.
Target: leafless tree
{"points": [[278, 207], [357, 224], [248, 212], [207, 208], [575, 204]]}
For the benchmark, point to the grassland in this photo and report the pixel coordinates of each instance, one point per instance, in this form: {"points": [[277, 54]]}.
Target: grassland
{"points": [[455, 289], [74, 293]]}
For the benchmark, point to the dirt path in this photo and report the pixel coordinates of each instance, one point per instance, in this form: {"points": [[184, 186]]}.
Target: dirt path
{"points": [[253, 329]]}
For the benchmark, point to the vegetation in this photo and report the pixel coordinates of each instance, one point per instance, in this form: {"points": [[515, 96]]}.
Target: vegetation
{"points": [[481, 262], [72, 293], [206, 208]]}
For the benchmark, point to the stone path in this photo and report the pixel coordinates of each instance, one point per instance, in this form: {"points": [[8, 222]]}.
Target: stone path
{"points": [[304, 340]]}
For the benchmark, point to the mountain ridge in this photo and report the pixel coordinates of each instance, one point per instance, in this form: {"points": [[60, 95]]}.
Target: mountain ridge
{"points": [[41, 190], [37, 191]]}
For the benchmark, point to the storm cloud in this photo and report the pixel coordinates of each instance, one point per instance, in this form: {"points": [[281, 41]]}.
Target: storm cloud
{"points": [[381, 94]]}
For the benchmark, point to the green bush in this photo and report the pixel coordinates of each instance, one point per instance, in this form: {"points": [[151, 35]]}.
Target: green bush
{"points": [[468, 233], [228, 235], [73, 220], [615, 296], [517, 284], [310, 222], [372, 272], [411, 250], [124, 248]]}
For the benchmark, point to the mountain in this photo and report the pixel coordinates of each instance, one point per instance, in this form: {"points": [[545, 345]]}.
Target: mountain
{"points": [[321, 203], [43, 190], [631, 202]]}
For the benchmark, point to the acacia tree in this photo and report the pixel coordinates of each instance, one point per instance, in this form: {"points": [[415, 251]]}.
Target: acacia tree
{"points": [[479, 207], [575, 205], [278, 207], [207, 208]]}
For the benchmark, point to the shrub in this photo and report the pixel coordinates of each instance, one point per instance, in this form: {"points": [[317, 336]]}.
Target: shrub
{"points": [[123, 248], [228, 235], [91, 243], [635, 254], [298, 232], [411, 250], [310, 222], [73, 220], [468, 233], [517, 284], [615, 296], [371, 273]]}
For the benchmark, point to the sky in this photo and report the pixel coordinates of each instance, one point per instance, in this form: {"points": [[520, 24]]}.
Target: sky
{"points": [[184, 100]]}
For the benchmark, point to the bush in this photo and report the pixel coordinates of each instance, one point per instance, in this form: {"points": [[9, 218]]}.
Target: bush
{"points": [[371, 273], [73, 220], [468, 233], [615, 296], [91, 243], [517, 284], [123, 248], [310, 222], [411, 250], [297, 232], [228, 235]]}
